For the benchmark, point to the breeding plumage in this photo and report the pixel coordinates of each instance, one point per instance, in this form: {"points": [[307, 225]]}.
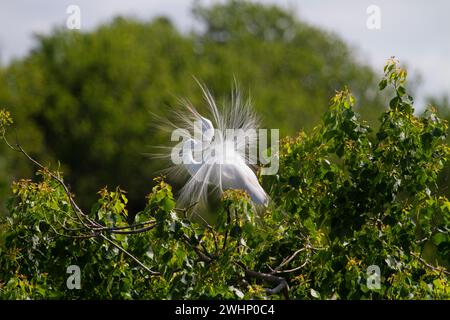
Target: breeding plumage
{"points": [[216, 154]]}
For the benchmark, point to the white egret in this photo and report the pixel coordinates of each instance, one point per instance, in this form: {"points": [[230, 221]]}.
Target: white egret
{"points": [[224, 163]]}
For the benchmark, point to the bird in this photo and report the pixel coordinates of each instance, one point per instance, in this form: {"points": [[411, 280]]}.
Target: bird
{"points": [[221, 143]]}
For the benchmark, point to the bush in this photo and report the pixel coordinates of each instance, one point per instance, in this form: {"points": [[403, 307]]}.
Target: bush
{"points": [[345, 200]]}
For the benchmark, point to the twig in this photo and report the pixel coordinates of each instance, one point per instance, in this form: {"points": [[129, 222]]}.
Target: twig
{"points": [[153, 273], [92, 225], [288, 259], [124, 227], [75, 207], [438, 269], [136, 231], [291, 270], [203, 256], [187, 208]]}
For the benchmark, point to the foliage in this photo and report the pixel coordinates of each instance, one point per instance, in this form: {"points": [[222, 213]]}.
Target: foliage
{"points": [[86, 98], [344, 199], [368, 199], [442, 105], [5, 120]]}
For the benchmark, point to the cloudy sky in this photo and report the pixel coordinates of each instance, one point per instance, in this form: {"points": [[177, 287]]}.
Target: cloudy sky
{"points": [[418, 32]]}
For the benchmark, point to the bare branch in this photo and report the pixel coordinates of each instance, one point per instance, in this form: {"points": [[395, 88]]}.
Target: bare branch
{"points": [[288, 259], [291, 270]]}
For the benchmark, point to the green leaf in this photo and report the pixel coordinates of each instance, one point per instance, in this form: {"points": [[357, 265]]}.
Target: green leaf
{"points": [[439, 238], [314, 293], [382, 84], [394, 102]]}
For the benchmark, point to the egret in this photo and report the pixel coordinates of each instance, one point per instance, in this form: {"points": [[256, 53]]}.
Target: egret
{"points": [[224, 163]]}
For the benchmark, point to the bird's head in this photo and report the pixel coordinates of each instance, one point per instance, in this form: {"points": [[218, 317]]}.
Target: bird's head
{"points": [[207, 129]]}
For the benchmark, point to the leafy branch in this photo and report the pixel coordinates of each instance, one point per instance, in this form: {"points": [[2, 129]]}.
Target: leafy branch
{"points": [[92, 227]]}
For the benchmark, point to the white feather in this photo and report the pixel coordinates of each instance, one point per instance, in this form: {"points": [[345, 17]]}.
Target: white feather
{"points": [[224, 165]]}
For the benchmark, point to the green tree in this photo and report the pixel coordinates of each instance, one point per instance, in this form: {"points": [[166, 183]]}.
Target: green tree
{"points": [[442, 105], [346, 198], [86, 98]]}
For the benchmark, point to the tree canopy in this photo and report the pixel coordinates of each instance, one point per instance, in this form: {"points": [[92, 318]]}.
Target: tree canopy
{"points": [[348, 198], [86, 99]]}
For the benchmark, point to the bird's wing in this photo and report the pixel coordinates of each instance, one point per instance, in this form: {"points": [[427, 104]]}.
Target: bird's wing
{"points": [[239, 176]]}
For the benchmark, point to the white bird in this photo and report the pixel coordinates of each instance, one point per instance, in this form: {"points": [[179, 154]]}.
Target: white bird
{"points": [[224, 162]]}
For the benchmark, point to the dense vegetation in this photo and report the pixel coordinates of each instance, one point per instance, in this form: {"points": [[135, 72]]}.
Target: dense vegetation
{"points": [[86, 98], [346, 197]]}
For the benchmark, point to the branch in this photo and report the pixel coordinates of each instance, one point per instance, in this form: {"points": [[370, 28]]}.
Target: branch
{"points": [[290, 270], [73, 204], [281, 284], [120, 230], [203, 256], [153, 273], [437, 269], [288, 259], [91, 225]]}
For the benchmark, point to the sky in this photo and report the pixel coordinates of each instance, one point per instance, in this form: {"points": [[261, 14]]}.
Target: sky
{"points": [[417, 32]]}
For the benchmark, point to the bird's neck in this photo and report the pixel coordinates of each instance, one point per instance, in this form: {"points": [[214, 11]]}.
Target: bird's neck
{"points": [[189, 162]]}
